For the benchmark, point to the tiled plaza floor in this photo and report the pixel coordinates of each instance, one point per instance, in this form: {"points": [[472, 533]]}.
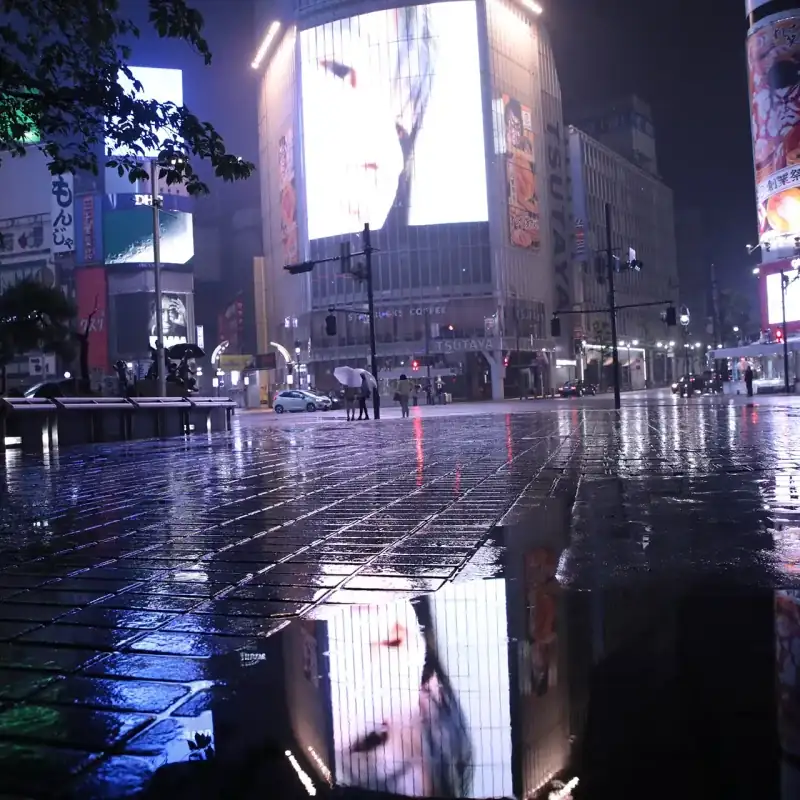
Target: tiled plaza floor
{"points": [[129, 574]]}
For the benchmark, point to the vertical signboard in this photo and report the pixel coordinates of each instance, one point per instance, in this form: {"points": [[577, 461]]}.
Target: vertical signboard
{"points": [[523, 200], [61, 214], [88, 230], [773, 51], [288, 198], [91, 295]]}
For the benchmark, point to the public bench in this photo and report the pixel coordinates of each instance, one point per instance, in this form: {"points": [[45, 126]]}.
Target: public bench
{"points": [[38, 424]]}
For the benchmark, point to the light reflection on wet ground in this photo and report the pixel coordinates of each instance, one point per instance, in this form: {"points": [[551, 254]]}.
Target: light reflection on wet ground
{"points": [[141, 587]]}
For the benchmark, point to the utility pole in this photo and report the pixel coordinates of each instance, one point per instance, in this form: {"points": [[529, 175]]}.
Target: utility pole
{"points": [[363, 273], [784, 286], [612, 306], [376, 396], [156, 203]]}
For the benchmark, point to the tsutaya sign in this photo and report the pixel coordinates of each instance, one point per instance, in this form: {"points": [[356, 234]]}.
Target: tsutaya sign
{"points": [[459, 345]]}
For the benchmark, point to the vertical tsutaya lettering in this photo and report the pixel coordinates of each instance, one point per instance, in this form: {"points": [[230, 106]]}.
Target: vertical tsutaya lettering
{"points": [[558, 220]]}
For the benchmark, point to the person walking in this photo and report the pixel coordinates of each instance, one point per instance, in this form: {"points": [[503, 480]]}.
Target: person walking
{"points": [[748, 380], [363, 395], [350, 402], [404, 388]]}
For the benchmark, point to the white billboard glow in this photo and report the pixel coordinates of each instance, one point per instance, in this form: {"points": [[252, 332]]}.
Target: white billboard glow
{"points": [[161, 85], [392, 120], [774, 311]]}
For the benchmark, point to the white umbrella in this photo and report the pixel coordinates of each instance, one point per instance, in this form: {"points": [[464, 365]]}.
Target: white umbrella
{"points": [[349, 376]]}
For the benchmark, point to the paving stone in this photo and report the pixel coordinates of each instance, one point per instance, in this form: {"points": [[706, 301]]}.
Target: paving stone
{"points": [[67, 726], [146, 697], [37, 770], [151, 667]]}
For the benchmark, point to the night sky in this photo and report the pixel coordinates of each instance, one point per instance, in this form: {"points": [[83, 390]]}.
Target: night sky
{"points": [[687, 60]]}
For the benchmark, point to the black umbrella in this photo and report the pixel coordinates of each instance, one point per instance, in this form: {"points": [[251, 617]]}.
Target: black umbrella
{"points": [[185, 350]]}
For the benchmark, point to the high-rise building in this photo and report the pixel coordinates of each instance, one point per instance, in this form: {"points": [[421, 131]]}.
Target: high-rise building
{"points": [[643, 230], [624, 126], [440, 126]]}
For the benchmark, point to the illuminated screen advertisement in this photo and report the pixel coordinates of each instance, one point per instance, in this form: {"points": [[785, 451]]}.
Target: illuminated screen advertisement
{"points": [[392, 120], [161, 85], [420, 694], [128, 236], [774, 309], [773, 51]]}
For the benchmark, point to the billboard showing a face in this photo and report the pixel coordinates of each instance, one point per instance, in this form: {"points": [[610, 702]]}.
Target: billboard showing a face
{"points": [[773, 55], [420, 699], [392, 120]]}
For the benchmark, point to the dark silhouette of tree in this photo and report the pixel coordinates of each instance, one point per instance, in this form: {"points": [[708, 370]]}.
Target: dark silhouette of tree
{"points": [[34, 317], [60, 61], [83, 348]]}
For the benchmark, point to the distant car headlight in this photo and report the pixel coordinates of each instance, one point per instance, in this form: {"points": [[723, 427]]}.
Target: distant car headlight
{"points": [[674, 385]]}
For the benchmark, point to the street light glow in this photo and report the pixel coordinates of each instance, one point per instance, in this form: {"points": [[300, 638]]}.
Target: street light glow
{"points": [[622, 344], [697, 344], [672, 344], [659, 344], [736, 329], [756, 270], [635, 342], [272, 32]]}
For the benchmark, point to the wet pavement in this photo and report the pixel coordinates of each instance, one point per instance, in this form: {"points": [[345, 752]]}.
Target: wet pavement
{"points": [[450, 605]]}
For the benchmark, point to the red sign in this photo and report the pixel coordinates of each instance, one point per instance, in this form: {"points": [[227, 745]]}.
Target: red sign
{"points": [[92, 296]]}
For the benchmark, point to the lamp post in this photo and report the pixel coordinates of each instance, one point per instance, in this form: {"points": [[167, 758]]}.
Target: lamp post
{"points": [[156, 203]]}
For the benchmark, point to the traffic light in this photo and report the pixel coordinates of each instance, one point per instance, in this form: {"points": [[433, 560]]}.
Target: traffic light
{"points": [[505, 361], [555, 327], [415, 365], [778, 335], [671, 317], [330, 324]]}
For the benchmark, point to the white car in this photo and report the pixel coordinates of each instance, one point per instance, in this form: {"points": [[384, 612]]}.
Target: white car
{"points": [[296, 400]]}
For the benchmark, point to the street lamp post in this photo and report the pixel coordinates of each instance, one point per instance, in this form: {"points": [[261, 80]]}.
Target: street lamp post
{"points": [[156, 203], [784, 286], [361, 273]]}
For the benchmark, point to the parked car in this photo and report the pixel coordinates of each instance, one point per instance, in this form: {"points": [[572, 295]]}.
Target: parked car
{"points": [[297, 400], [51, 389], [577, 389]]}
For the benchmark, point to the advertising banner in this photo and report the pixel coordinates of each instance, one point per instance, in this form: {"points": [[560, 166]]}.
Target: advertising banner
{"points": [[136, 322], [61, 214], [22, 235], [523, 201], [773, 51], [88, 230], [393, 120], [91, 291], [128, 236], [288, 199], [230, 325]]}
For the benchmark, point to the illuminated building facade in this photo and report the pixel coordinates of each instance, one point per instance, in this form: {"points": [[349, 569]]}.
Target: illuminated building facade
{"points": [[452, 147], [642, 227]]}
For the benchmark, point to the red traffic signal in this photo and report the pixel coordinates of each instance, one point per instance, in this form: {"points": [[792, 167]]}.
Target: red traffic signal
{"points": [[778, 335], [415, 365]]}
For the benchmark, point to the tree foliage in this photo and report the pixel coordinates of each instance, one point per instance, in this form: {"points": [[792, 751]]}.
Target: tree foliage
{"points": [[60, 61], [35, 317]]}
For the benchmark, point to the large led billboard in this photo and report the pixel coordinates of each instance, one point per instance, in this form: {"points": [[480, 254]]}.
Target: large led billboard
{"points": [[392, 120], [161, 85], [773, 51], [774, 306], [128, 236]]}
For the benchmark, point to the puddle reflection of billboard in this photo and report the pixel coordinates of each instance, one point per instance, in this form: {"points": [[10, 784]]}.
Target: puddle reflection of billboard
{"points": [[420, 694]]}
